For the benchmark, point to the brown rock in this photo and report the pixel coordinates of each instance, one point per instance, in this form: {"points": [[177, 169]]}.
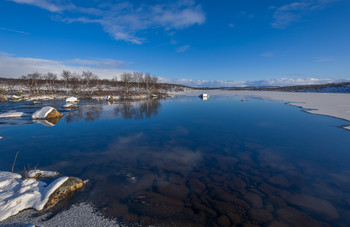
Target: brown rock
{"points": [[70, 186], [260, 216], [237, 184], [279, 180], [223, 221], [235, 218], [253, 199], [171, 190], [196, 186], [54, 114]]}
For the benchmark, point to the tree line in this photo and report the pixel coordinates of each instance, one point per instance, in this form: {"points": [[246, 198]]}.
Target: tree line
{"points": [[87, 83]]}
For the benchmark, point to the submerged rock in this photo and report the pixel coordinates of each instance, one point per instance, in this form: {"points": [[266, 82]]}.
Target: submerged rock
{"points": [[47, 112]]}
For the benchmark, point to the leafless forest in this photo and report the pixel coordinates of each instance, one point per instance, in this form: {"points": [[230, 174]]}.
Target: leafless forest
{"points": [[85, 85]]}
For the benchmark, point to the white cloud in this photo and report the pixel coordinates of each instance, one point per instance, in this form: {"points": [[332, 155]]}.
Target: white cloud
{"points": [[52, 6], [12, 30], [183, 48], [15, 67], [124, 20], [232, 25], [287, 14]]}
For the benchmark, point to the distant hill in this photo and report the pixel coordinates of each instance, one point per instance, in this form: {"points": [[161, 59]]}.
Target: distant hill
{"points": [[330, 88]]}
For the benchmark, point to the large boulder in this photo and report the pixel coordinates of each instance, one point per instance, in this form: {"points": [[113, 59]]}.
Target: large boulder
{"points": [[47, 112], [69, 187]]}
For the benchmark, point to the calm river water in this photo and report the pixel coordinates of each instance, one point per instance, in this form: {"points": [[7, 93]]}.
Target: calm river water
{"points": [[189, 162]]}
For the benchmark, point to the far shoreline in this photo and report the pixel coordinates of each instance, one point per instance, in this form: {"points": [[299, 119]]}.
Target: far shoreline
{"points": [[329, 104]]}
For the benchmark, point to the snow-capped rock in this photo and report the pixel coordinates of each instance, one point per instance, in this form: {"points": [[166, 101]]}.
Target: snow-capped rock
{"points": [[72, 99], [46, 112], [11, 114], [69, 105], [16, 98], [18, 194]]}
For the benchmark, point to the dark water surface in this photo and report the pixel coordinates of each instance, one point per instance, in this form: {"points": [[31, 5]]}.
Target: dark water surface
{"points": [[189, 162]]}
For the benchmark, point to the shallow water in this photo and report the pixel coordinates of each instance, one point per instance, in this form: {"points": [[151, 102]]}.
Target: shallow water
{"points": [[185, 161]]}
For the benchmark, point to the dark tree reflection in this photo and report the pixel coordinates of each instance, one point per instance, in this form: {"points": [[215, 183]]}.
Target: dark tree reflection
{"points": [[85, 112], [137, 109]]}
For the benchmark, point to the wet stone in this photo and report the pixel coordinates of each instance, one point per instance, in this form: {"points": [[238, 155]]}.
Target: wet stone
{"points": [[171, 190], [260, 216], [278, 224], [279, 180], [253, 199], [235, 218], [223, 221], [196, 186]]}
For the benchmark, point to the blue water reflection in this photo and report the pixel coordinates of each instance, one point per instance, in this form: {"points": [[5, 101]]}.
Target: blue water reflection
{"points": [[185, 161]]}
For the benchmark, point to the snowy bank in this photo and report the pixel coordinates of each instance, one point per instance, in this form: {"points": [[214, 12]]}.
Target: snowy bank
{"points": [[46, 113], [11, 114], [18, 194], [41, 174]]}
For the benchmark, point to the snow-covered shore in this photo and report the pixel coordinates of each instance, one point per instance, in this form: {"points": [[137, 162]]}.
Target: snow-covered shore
{"points": [[330, 104]]}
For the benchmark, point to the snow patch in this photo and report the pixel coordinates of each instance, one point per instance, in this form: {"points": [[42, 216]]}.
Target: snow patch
{"points": [[18, 194], [72, 99], [11, 114], [42, 113], [41, 173]]}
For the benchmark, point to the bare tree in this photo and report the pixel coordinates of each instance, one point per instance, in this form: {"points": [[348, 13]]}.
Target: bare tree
{"points": [[138, 79], [126, 79], [50, 79], [150, 83], [90, 80], [66, 77], [32, 82], [75, 82]]}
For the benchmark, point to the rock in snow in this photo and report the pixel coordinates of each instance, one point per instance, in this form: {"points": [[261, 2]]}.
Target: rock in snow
{"points": [[72, 99], [11, 114], [46, 112], [41, 174], [17, 194]]}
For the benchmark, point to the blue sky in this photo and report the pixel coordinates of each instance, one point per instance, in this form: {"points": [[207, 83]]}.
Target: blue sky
{"points": [[200, 41]]}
